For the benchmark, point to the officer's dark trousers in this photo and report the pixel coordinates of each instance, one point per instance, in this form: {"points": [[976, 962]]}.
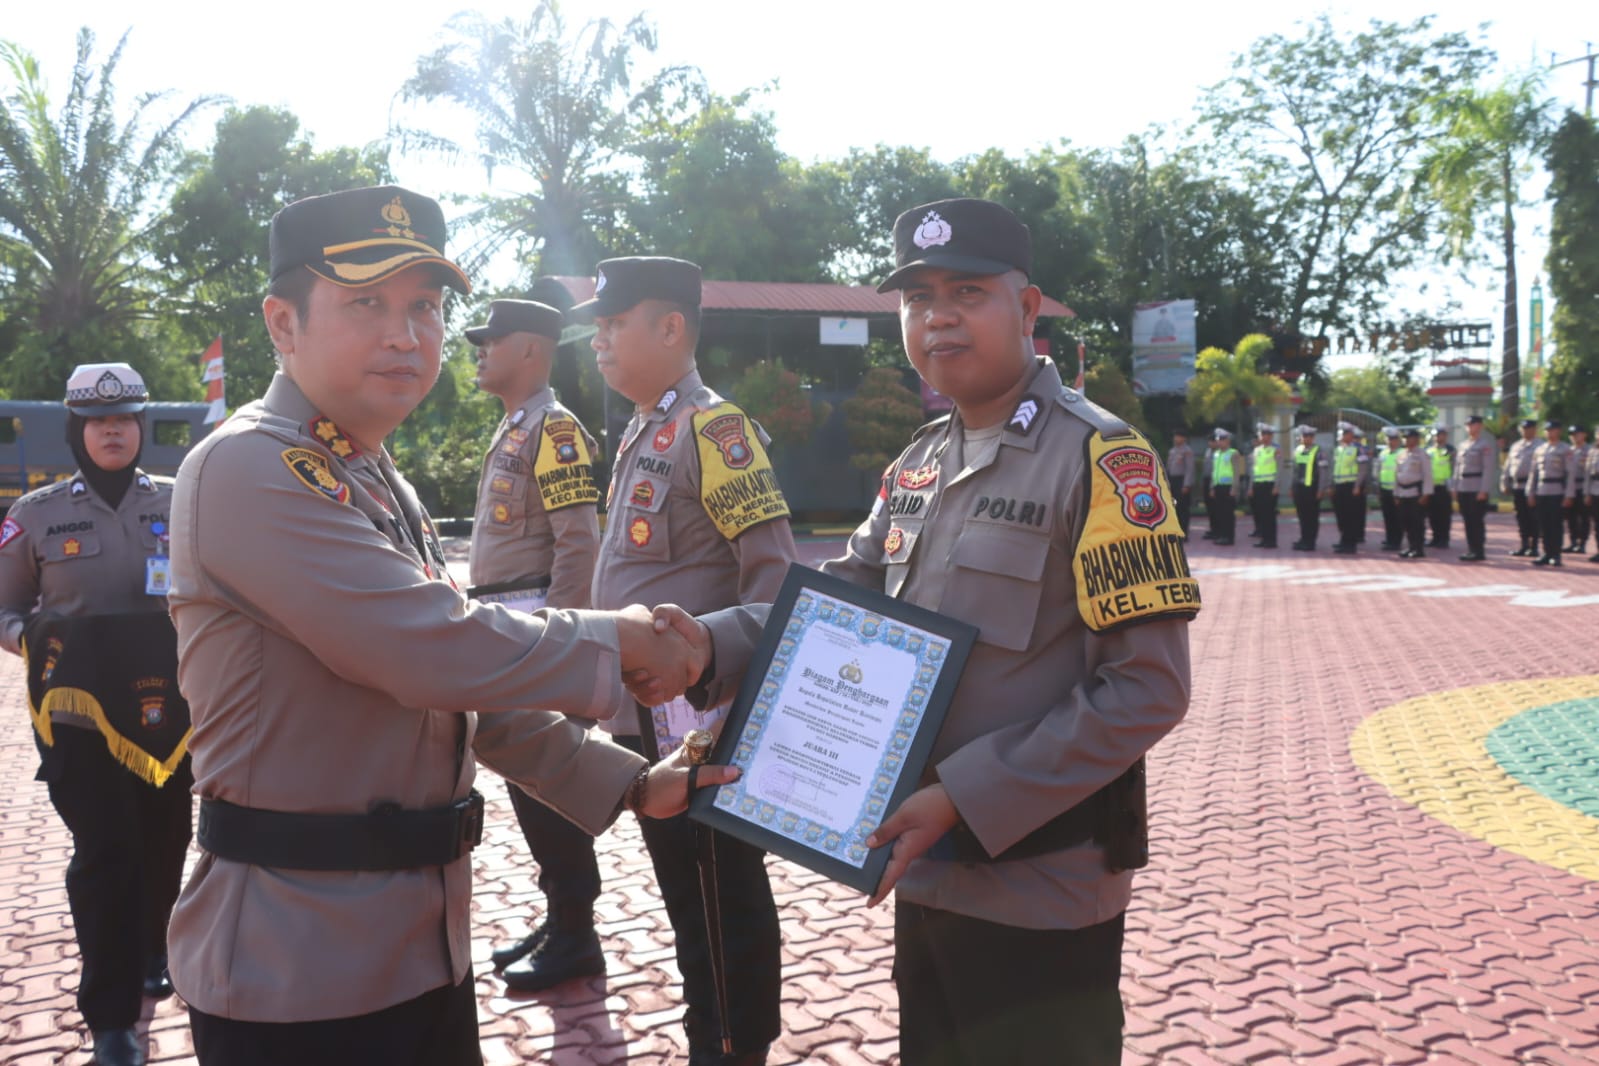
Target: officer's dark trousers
{"points": [[1223, 519], [1392, 532], [1344, 503], [1263, 500], [129, 839], [1577, 523], [977, 993], [1551, 516], [1438, 508], [1362, 510], [1471, 517], [1414, 520], [1308, 509], [1593, 515], [1526, 520], [1184, 498], [569, 875], [437, 1028], [751, 940]]}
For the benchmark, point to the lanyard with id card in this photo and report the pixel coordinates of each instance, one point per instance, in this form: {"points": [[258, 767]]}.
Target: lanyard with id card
{"points": [[158, 567]]}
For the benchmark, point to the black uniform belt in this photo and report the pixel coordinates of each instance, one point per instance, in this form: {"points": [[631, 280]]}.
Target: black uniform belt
{"points": [[388, 838], [517, 585], [1409, 484], [1066, 830]]}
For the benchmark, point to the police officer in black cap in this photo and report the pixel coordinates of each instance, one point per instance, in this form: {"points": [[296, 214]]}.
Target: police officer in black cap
{"points": [[1551, 488], [1518, 468]]}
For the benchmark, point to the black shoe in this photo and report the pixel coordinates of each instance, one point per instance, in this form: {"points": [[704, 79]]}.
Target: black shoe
{"points": [[1343, 549], [1208, 535], [1547, 560], [1572, 549], [1222, 542], [564, 955], [1473, 557], [1520, 552], [1263, 544], [506, 954], [117, 1047], [1387, 546], [1414, 554], [157, 981], [1301, 546], [714, 1057], [1594, 558]]}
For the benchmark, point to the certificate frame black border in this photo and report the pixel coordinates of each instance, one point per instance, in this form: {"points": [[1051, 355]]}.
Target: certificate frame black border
{"points": [[961, 637]]}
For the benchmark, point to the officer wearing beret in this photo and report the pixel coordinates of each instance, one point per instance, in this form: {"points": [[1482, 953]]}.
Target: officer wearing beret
{"points": [[535, 536], [1010, 891], [697, 518], [1224, 469], [1412, 485], [83, 582], [333, 668], [1551, 488], [1180, 469], [1577, 517], [1474, 476], [1310, 486], [1518, 469]]}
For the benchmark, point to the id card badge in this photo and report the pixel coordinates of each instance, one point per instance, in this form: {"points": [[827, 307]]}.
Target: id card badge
{"points": [[157, 575]]}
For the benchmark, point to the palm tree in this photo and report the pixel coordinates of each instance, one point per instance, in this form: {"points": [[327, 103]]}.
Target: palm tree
{"points": [[557, 108], [1476, 172], [1231, 381], [79, 198]]}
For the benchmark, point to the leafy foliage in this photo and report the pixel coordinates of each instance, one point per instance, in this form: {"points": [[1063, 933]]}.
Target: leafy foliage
{"points": [[880, 419], [1571, 388], [1232, 382], [775, 398]]}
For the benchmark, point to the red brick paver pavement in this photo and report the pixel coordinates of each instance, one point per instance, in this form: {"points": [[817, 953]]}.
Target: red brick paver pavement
{"points": [[1296, 911]]}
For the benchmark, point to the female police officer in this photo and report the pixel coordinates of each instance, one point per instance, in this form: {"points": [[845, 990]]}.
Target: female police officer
{"points": [[83, 582]]}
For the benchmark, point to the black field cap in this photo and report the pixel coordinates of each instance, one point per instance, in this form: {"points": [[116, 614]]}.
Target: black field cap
{"points": [[621, 283], [1413, 431], [361, 236], [971, 236], [517, 316], [1474, 420], [1553, 423], [1529, 423], [551, 293]]}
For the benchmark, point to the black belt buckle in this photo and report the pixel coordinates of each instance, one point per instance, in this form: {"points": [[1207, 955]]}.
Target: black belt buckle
{"points": [[469, 821]]}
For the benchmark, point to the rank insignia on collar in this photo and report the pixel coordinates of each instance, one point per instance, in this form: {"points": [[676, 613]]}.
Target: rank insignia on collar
{"points": [[917, 479], [78, 487], [312, 470], [640, 532], [324, 429], [516, 419], [145, 483], [1026, 411], [664, 437], [667, 401]]}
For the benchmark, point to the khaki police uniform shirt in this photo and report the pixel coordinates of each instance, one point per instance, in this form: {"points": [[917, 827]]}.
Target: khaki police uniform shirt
{"points": [[1413, 474], [696, 516], [1580, 461], [1063, 547], [1475, 465], [1518, 465], [1592, 469], [1180, 464], [330, 664], [536, 504], [65, 549], [1554, 471]]}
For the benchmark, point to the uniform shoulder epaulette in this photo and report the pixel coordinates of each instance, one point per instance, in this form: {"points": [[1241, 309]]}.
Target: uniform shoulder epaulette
{"points": [[941, 420], [1107, 424], [44, 492]]}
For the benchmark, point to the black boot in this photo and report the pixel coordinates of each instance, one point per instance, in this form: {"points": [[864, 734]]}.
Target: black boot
{"points": [[570, 949], [157, 982], [505, 954], [118, 1047]]}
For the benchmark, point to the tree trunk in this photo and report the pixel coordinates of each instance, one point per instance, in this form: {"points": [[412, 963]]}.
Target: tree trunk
{"points": [[1510, 377]]}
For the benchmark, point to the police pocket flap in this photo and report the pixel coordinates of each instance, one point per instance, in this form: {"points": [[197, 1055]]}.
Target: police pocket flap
{"points": [[75, 546], [996, 585]]}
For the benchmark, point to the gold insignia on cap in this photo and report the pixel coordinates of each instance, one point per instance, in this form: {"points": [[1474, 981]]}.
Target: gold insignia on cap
{"points": [[398, 218]]}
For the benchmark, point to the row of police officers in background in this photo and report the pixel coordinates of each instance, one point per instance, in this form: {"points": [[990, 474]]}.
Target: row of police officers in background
{"points": [[1553, 485]]}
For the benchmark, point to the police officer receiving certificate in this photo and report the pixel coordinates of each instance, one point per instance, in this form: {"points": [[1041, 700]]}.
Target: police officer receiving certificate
{"points": [[1047, 523], [102, 688], [331, 666]]}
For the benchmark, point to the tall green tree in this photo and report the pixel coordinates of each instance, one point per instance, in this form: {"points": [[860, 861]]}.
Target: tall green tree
{"points": [[1233, 382], [81, 194], [1384, 388], [878, 184], [1477, 169], [1571, 388], [555, 107], [214, 250], [1331, 129]]}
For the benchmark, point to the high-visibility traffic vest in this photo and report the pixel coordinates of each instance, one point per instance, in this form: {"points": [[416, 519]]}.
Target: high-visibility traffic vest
{"points": [[1265, 463], [1346, 462], [1221, 467], [1440, 465], [1388, 473], [1306, 457]]}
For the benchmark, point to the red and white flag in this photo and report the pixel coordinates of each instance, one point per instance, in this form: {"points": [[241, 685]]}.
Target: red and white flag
{"points": [[1082, 362], [211, 376]]}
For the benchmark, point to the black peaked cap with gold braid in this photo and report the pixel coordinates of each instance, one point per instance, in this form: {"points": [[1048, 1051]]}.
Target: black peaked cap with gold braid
{"points": [[361, 236]]}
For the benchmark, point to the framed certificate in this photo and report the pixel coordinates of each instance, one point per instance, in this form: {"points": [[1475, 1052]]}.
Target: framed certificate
{"points": [[833, 723]]}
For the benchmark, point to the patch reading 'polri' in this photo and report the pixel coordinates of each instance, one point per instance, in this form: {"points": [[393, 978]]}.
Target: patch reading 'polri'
{"points": [[313, 471], [1129, 562]]}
